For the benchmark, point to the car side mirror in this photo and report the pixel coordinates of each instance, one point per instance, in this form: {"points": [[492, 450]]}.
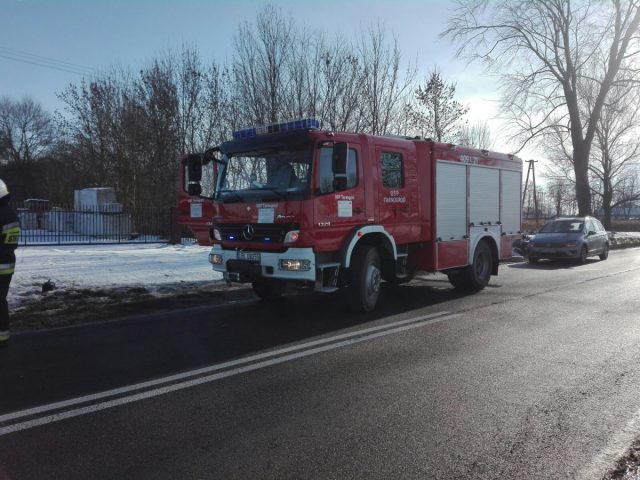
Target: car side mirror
{"points": [[591, 232]]}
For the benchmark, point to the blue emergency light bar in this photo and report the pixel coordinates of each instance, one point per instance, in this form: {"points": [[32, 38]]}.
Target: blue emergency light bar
{"points": [[304, 124]]}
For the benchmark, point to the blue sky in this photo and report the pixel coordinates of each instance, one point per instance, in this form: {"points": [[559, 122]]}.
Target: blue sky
{"points": [[98, 35]]}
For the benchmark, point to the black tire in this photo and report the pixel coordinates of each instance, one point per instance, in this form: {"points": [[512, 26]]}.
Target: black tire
{"points": [[605, 253], [395, 280], [459, 281], [365, 276], [268, 291], [582, 259], [476, 276], [534, 259]]}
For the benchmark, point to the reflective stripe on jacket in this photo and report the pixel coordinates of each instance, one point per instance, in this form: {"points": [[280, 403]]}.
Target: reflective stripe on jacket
{"points": [[9, 237], [11, 233], [7, 268]]}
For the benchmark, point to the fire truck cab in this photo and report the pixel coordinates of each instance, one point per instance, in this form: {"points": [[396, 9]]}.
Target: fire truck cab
{"points": [[297, 204]]}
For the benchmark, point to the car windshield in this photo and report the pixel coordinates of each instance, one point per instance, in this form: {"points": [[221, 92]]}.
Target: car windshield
{"points": [[563, 226], [265, 175]]}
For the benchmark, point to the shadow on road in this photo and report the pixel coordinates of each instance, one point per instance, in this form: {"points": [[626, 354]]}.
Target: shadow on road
{"points": [[47, 366], [552, 264]]}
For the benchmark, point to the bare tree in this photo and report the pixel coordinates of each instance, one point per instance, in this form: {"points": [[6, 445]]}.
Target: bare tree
{"points": [[202, 98], [544, 50], [262, 53], [26, 130], [384, 89], [27, 137], [340, 71], [438, 114], [476, 135], [616, 155], [561, 195]]}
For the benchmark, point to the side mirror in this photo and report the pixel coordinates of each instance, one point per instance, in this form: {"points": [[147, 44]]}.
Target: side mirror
{"points": [[591, 232], [194, 189], [340, 152], [194, 168], [193, 175]]}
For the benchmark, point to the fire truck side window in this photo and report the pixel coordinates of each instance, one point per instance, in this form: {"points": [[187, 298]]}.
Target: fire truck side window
{"points": [[352, 169], [392, 176], [325, 169]]}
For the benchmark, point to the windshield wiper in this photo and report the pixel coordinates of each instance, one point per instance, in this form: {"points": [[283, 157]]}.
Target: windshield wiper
{"points": [[233, 193], [274, 190]]}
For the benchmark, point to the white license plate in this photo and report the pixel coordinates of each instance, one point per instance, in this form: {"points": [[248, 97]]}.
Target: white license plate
{"points": [[251, 256]]}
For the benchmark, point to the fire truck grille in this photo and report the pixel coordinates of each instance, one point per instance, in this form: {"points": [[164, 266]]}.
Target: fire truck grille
{"points": [[255, 232]]}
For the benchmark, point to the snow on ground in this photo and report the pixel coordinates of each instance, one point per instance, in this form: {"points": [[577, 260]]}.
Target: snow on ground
{"points": [[160, 268], [157, 267]]}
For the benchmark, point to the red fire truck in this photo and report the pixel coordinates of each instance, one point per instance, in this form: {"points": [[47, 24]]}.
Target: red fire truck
{"points": [[295, 204]]}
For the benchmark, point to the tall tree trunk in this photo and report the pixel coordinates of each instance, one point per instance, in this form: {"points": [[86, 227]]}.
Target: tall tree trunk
{"points": [[607, 200], [581, 170]]}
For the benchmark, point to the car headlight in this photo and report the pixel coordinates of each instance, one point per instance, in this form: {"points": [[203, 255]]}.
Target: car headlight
{"points": [[217, 235], [295, 265]]}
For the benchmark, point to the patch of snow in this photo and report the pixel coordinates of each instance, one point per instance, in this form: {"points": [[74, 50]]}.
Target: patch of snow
{"points": [[156, 267]]}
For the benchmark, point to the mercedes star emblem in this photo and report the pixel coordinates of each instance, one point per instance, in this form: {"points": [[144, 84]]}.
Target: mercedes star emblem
{"points": [[247, 232]]}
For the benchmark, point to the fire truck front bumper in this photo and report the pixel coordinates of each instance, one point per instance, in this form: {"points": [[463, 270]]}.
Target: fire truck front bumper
{"points": [[294, 264]]}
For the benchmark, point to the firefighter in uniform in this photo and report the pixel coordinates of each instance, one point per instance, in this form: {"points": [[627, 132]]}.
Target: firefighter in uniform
{"points": [[10, 232]]}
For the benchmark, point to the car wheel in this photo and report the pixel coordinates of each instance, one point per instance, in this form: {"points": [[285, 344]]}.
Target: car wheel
{"points": [[365, 275], [605, 252], [459, 281], [583, 255], [476, 276], [534, 259]]}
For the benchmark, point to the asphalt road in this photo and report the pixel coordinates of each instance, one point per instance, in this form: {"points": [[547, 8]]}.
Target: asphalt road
{"points": [[535, 377]]}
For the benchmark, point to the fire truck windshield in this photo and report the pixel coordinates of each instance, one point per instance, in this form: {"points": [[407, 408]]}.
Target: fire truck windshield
{"points": [[274, 174]]}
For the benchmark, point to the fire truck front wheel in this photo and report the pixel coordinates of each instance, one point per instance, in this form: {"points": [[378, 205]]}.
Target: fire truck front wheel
{"points": [[365, 275], [476, 276], [268, 290]]}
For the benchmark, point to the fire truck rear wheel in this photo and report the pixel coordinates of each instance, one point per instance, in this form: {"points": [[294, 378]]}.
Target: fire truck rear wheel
{"points": [[365, 276], [268, 290], [476, 276]]}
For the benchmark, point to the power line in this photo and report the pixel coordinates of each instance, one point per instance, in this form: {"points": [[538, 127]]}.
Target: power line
{"points": [[45, 62], [42, 57]]}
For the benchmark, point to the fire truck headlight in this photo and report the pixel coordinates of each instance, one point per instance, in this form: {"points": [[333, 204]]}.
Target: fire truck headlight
{"points": [[217, 235], [292, 236], [295, 265], [215, 259]]}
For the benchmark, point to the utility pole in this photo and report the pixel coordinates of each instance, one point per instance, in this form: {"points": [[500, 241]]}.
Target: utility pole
{"points": [[532, 170]]}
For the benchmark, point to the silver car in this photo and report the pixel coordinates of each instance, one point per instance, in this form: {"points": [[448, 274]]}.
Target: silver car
{"points": [[569, 238]]}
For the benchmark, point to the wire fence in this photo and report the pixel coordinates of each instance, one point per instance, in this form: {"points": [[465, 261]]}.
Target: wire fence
{"points": [[43, 223]]}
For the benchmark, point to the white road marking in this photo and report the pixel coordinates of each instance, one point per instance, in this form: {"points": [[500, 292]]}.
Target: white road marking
{"points": [[274, 357], [615, 448]]}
